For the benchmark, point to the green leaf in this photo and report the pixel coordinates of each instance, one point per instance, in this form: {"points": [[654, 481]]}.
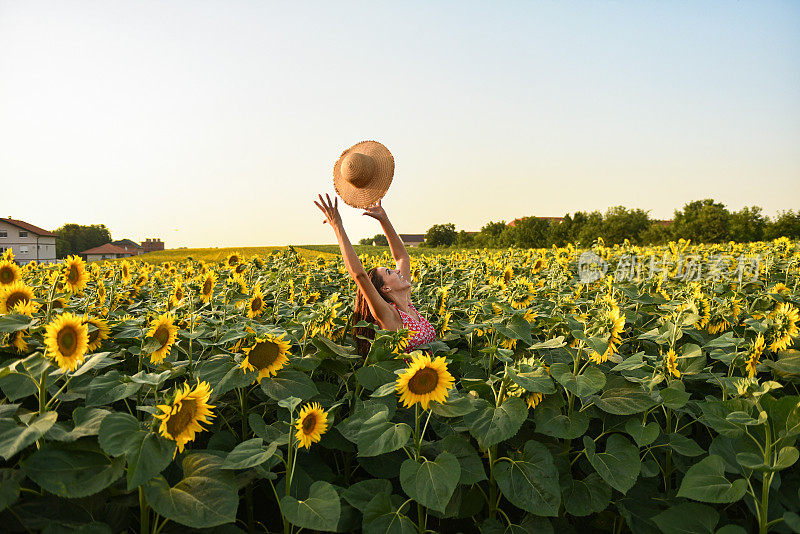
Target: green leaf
{"points": [[383, 515], [9, 486], [14, 322], [530, 483], [289, 383], [532, 383], [95, 361], [320, 511], [223, 374], [375, 375], [109, 388], [715, 416], [379, 436], [249, 454], [684, 446], [17, 386], [686, 518], [472, 470], [148, 455], [118, 433], [14, 437], [206, 497], [792, 520], [361, 493], [642, 435], [619, 465], [706, 482], [620, 397], [490, 425], [457, 405], [582, 385], [431, 483], [328, 348], [675, 395], [551, 422], [72, 473], [787, 457], [87, 423], [585, 497], [290, 403]]}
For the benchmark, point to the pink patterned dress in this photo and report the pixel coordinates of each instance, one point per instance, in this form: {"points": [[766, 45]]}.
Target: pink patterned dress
{"points": [[425, 332]]}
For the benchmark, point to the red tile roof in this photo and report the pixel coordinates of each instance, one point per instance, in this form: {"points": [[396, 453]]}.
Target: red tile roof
{"points": [[29, 227], [108, 248]]}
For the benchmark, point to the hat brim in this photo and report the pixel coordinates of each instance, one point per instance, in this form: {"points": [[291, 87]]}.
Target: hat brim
{"points": [[375, 189]]}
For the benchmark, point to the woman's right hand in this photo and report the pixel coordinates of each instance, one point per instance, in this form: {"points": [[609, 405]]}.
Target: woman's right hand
{"points": [[331, 210]]}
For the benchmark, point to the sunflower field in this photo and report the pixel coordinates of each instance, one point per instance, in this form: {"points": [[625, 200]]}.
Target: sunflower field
{"points": [[228, 396]]}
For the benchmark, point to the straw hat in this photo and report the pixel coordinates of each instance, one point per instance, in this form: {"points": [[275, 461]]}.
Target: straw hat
{"points": [[363, 173]]}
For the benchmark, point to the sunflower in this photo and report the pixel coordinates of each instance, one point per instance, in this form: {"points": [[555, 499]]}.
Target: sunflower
{"points": [[17, 297], [125, 270], [256, 304], [520, 292], [241, 268], [267, 356], [755, 355], [176, 297], [671, 361], [783, 326], [75, 275], [182, 418], [165, 331], [17, 340], [531, 399], [444, 324], [207, 286], [538, 265], [232, 260], [508, 273], [424, 381], [779, 288], [312, 422], [441, 300], [400, 340], [238, 278], [9, 273], [67, 339], [97, 336], [530, 316]]}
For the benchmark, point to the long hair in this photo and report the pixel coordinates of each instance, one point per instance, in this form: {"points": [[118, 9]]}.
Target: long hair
{"points": [[361, 312]]}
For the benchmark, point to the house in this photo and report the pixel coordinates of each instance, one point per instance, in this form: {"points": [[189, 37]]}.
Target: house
{"points": [[659, 222], [106, 252], [412, 240], [152, 245], [27, 242], [131, 246]]}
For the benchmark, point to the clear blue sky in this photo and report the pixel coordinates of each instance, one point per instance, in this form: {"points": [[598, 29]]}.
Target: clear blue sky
{"points": [[216, 123]]}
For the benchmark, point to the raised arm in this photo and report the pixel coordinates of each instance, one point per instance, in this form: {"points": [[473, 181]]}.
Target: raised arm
{"points": [[380, 308], [396, 246]]}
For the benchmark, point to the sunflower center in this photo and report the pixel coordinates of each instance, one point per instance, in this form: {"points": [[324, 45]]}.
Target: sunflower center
{"points": [[263, 354], [179, 422], [72, 275], [17, 297], [207, 286], [162, 335], [256, 304], [424, 381], [240, 268], [6, 275], [67, 341], [309, 423], [179, 294]]}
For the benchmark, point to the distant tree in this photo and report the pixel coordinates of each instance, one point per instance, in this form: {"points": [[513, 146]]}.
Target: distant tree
{"points": [[75, 238], [441, 235], [365, 241], [590, 228], [489, 235], [657, 234], [620, 223], [703, 221], [465, 239], [380, 240], [747, 225], [787, 224], [531, 232]]}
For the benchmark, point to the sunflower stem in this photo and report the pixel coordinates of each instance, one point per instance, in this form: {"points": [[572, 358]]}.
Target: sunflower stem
{"points": [[144, 512], [42, 400], [245, 432]]}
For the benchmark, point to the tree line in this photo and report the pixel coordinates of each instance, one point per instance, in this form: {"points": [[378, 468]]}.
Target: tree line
{"points": [[702, 221], [75, 238]]}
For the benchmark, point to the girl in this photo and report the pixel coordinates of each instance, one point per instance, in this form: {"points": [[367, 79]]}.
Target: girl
{"points": [[384, 295]]}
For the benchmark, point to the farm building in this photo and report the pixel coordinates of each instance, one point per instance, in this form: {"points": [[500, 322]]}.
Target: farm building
{"points": [[152, 245], [412, 240], [27, 242], [131, 246], [106, 252]]}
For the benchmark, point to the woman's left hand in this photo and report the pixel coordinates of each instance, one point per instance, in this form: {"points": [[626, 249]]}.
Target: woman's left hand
{"points": [[376, 212]]}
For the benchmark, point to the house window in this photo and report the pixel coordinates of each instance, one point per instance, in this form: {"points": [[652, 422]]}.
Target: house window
{"points": [[3, 233], [23, 233], [23, 249]]}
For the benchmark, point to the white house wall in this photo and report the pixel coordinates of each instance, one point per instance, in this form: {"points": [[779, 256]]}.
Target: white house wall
{"points": [[27, 248]]}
